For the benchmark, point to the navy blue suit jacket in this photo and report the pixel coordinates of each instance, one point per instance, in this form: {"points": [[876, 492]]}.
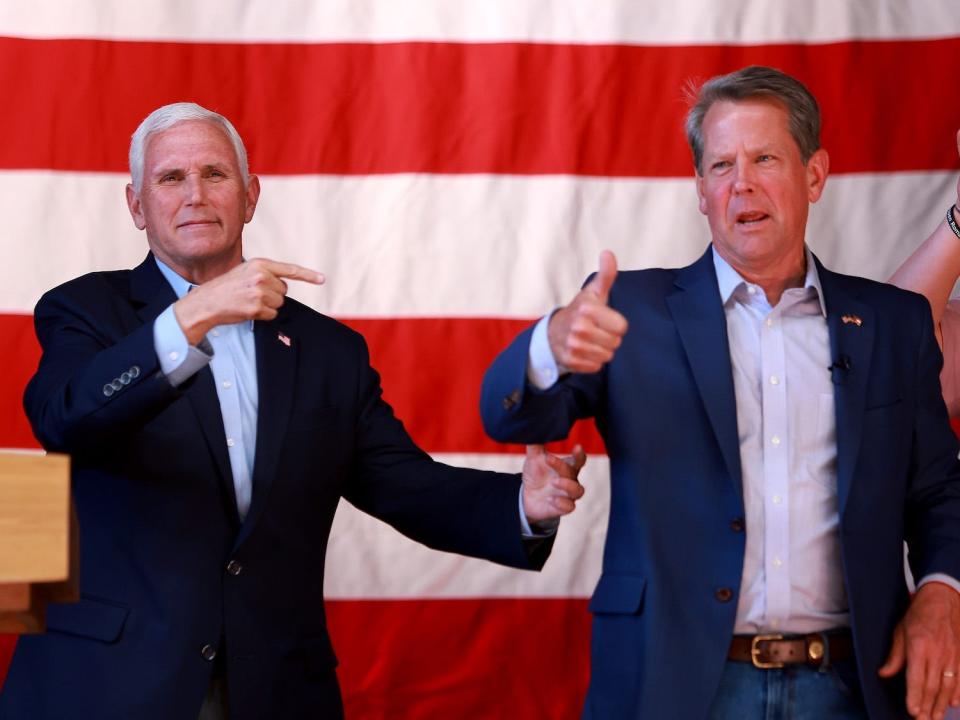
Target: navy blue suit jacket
{"points": [[666, 408], [158, 518]]}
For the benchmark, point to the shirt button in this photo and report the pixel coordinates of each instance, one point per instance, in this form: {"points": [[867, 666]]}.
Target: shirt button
{"points": [[777, 562], [769, 322], [230, 442], [775, 440], [775, 623], [208, 652], [774, 380], [227, 384], [234, 568], [777, 499], [174, 355], [215, 333], [723, 594]]}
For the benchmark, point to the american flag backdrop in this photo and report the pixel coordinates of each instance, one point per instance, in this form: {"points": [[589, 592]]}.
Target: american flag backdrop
{"points": [[454, 167]]}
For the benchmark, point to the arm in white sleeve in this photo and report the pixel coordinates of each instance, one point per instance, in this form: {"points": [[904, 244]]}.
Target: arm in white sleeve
{"points": [[940, 578], [543, 370], [179, 360]]}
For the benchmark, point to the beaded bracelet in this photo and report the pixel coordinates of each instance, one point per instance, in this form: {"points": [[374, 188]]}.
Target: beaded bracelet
{"points": [[952, 222]]}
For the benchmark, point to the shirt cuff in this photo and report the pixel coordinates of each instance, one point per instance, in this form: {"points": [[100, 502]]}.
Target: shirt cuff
{"points": [[940, 578], [542, 529], [543, 371], [179, 360]]}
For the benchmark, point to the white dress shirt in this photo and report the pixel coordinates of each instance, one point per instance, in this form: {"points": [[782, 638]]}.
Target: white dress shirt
{"points": [[780, 356]]}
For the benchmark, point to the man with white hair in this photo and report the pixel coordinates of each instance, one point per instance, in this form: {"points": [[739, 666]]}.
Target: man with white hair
{"points": [[213, 426]]}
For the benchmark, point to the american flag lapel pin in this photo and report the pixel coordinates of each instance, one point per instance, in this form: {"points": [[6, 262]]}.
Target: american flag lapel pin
{"points": [[855, 319], [285, 339]]}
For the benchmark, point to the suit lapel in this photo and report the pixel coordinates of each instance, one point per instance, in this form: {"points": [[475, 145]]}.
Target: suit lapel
{"points": [[277, 351], [152, 294], [698, 314], [853, 343]]}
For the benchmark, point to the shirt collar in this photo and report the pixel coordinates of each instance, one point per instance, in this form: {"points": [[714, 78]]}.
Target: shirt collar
{"points": [[181, 286], [728, 279]]}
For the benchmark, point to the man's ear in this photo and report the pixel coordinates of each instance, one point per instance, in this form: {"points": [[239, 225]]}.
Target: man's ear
{"points": [[700, 194], [136, 209], [253, 195], [818, 167]]}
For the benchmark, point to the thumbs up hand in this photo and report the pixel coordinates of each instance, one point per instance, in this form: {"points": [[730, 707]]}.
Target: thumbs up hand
{"points": [[585, 334]]}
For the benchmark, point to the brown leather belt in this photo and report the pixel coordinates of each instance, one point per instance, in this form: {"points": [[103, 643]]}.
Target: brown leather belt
{"points": [[775, 651]]}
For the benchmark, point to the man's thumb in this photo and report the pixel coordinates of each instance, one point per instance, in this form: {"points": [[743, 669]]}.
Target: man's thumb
{"points": [[896, 658], [602, 282]]}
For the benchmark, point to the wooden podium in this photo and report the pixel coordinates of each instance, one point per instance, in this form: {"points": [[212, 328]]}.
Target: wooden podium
{"points": [[39, 559]]}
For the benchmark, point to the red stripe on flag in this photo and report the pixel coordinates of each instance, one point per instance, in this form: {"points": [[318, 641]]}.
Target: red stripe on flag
{"points": [[431, 370], [21, 355], [416, 659], [482, 658], [362, 108]]}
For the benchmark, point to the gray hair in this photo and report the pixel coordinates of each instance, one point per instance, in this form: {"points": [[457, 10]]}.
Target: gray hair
{"points": [[164, 118], [757, 81]]}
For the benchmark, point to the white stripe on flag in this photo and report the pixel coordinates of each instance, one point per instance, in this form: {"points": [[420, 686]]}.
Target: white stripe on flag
{"points": [[444, 245], [387, 565], [679, 22]]}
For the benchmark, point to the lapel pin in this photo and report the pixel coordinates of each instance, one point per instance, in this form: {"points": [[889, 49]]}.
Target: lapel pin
{"points": [[855, 319], [286, 340]]}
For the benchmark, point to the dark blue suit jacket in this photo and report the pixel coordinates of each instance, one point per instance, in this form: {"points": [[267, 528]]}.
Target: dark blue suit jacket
{"points": [[159, 523], [666, 409]]}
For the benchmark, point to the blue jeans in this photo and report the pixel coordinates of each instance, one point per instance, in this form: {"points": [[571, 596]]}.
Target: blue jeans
{"points": [[795, 692]]}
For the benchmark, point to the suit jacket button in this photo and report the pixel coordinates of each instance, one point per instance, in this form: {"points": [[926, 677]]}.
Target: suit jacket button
{"points": [[736, 524], [723, 594], [511, 400], [234, 568], [108, 390], [208, 652], [134, 371]]}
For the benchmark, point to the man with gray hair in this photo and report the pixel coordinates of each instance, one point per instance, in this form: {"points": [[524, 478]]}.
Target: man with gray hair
{"points": [[775, 431], [214, 426]]}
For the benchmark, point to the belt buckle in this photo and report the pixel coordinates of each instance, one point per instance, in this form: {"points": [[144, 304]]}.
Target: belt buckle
{"points": [[755, 652]]}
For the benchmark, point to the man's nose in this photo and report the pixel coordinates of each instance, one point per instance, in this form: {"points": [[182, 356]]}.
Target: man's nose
{"points": [[193, 184], [743, 178]]}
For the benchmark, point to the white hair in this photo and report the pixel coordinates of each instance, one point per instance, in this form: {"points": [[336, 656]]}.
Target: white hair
{"points": [[164, 118]]}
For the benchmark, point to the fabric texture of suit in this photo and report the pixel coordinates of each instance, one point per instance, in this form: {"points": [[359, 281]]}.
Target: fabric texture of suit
{"points": [[159, 522], [666, 408]]}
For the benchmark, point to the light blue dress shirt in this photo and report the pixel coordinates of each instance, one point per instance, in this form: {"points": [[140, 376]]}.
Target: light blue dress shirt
{"points": [[232, 358]]}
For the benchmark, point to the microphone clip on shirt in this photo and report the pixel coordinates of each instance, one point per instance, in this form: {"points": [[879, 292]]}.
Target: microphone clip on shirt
{"points": [[840, 368]]}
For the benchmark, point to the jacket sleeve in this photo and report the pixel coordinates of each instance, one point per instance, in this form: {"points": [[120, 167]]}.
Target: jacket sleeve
{"points": [[98, 378], [515, 411], [933, 499], [461, 510]]}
